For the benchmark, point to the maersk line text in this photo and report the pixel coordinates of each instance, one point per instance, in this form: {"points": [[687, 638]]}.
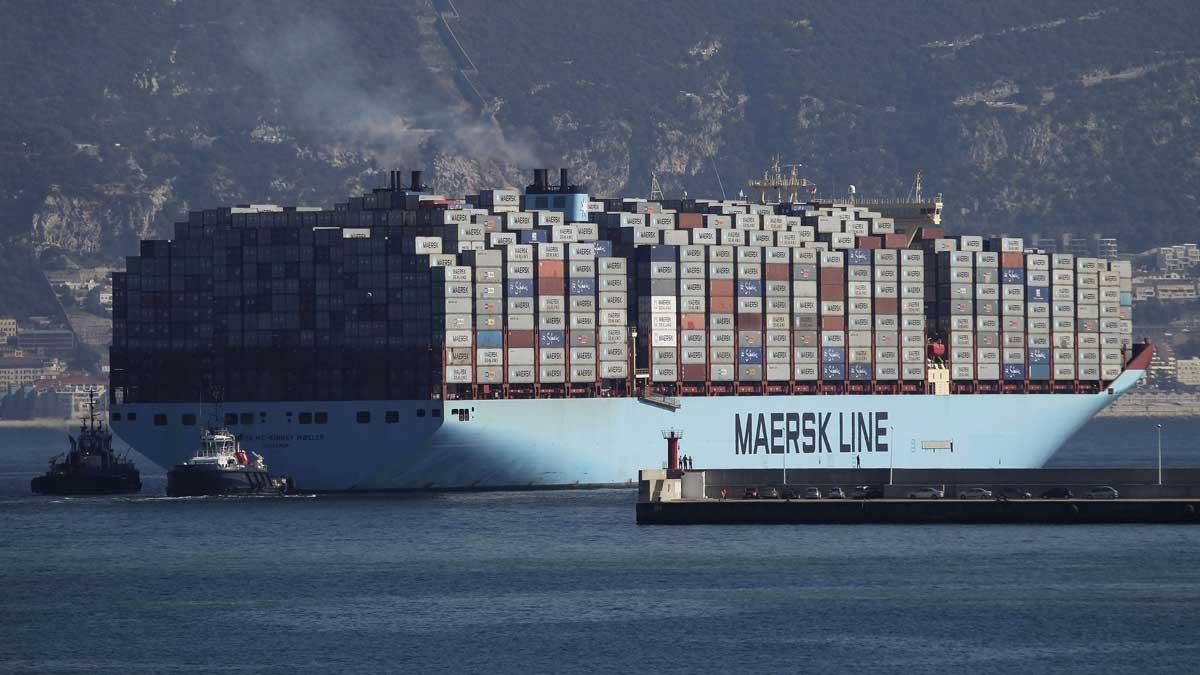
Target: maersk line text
{"points": [[780, 433]]}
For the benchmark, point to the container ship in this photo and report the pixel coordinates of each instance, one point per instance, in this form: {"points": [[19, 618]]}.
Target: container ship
{"points": [[544, 338]]}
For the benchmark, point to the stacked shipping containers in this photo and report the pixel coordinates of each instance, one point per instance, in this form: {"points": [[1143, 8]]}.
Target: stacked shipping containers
{"points": [[466, 299]]}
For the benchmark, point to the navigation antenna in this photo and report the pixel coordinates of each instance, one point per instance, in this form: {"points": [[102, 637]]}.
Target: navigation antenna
{"points": [[656, 193], [215, 396], [775, 179]]}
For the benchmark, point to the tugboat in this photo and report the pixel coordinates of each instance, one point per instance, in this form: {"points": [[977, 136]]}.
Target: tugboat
{"points": [[91, 467], [222, 467]]}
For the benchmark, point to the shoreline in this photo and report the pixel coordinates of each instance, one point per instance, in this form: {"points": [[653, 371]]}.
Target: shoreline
{"points": [[52, 423], [1153, 405]]}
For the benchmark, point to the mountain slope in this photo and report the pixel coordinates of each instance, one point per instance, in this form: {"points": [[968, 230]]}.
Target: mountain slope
{"points": [[1028, 116]]}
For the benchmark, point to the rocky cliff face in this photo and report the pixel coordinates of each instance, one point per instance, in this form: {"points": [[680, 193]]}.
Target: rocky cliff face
{"points": [[1038, 116]]}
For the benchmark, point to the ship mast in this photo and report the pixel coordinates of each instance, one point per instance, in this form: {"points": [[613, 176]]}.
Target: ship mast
{"points": [[656, 193], [775, 179]]}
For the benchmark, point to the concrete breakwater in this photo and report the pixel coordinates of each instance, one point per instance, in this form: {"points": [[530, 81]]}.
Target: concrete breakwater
{"points": [[1031, 511], [714, 496]]}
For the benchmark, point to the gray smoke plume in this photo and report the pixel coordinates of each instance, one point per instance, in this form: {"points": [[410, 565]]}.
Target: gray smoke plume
{"points": [[402, 116]]}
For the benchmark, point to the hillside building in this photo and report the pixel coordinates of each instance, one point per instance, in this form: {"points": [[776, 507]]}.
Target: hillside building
{"points": [[1178, 259], [46, 341], [1187, 371], [17, 372]]}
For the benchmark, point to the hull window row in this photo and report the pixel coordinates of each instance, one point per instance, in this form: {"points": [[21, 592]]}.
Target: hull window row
{"points": [[314, 418]]}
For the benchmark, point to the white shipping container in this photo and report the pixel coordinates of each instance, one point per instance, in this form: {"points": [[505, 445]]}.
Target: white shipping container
{"points": [[458, 374], [614, 369]]}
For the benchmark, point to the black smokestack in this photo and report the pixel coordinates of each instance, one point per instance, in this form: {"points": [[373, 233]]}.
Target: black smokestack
{"points": [[392, 180], [540, 179], [563, 185], [416, 182]]}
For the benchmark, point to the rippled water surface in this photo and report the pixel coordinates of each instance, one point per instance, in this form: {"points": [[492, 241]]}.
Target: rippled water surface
{"points": [[565, 582]]}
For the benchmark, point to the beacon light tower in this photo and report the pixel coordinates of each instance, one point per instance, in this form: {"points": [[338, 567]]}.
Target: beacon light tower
{"points": [[672, 436]]}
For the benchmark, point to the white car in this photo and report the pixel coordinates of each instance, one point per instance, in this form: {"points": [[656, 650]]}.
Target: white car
{"points": [[926, 493], [975, 493], [1102, 492]]}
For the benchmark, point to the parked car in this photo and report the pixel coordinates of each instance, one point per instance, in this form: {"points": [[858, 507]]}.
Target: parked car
{"points": [[926, 493], [867, 492], [1102, 492], [1058, 493], [1015, 493], [768, 493], [835, 493], [975, 493], [812, 493], [788, 493], [750, 493]]}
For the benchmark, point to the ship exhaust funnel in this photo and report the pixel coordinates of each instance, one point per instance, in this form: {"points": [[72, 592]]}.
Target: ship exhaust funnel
{"points": [[563, 185], [416, 182]]}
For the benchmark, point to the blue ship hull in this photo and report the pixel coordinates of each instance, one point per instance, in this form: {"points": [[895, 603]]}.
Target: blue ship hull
{"points": [[605, 441]]}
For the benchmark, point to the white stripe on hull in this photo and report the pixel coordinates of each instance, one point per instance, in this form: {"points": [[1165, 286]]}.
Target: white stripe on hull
{"points": [[562, 442]]}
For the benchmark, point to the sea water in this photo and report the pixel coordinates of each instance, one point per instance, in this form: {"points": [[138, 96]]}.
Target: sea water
{"points": [[566, 582]]}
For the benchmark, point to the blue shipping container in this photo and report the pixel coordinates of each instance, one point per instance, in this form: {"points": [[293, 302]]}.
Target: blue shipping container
{"points": [[860, 371], [534, 236], [833, 354], [858, 256], [1126, 299], [749, 288], [750, 355], [1039, 372], [661, 253], [489, 339], [1037, 294], [1039, 356], [519, 288], [583, 286], [551, 338], [833, 371], [1014, 371], [1011, 275]]}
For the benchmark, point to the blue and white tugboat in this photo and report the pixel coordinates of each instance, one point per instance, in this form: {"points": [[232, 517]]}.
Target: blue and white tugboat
{"points": [[222, 467], [91, 467]]}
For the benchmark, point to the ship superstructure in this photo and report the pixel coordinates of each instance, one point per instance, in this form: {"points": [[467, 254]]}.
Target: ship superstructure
{"points": [[541, 337]]}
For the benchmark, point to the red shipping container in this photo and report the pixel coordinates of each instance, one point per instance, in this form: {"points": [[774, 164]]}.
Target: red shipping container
{"points": [[777, 271], [831, 292], [693, 372], [833, 323], [551, 285], [687, 221], [693, 321], [886, 306], [722, 287], [522, 339], [833, 275], [720, 304], [928, 232], [896, 241], [869, 242], [749, 321], [551, 268], [1012, 260]]}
